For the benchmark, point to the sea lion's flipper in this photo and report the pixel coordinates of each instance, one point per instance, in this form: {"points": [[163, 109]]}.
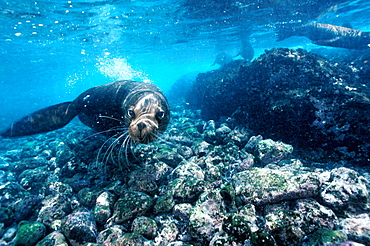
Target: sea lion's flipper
{"points": [[44, 120], [326, 42]]}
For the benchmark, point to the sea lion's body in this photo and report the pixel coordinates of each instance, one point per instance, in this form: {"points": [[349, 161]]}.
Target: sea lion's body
{"points": [[328, 35], [139, 108]]}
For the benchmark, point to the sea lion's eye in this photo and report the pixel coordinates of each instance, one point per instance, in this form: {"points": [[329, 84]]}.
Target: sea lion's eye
{"points": [[160, 114], [131, 113]]}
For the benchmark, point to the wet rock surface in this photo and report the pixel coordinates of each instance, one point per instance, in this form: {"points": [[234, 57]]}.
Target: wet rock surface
{"points": [[292, 95], [208, 182], [80, 226], [262, 185]]}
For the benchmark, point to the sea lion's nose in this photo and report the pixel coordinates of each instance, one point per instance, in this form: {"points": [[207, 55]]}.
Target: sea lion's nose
{"points": [[141, 126]]}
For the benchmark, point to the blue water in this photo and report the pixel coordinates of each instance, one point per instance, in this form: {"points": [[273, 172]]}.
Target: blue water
{"points": [[51, 51]]}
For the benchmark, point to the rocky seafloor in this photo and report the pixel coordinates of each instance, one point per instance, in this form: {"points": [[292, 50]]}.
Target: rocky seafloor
{"points": [[205, 182]]}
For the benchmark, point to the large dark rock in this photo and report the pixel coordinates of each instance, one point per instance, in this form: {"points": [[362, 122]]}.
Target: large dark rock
{"points": [[80, 226], [294, 96]]}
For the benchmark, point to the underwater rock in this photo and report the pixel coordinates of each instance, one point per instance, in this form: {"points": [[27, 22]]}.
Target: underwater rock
{"points": [[262, 237], [109, 235], [357, 228], [246, 163], [325, 237], [3, 175], [345, 192], [207, 215], [9, 234], [30, 149], [169, 156], [214, 135], [164, 203], [178, 243], [160, 170], [6, 216], [145, 226], [291, 165], [290, 223], [10, 192], [222, 238], [316, 215], [133, 238], [167, 231], [248, 211], [54, 209], [87, 196], [31, 163], [34, 179], [228, 194], [148, 178], [238, 227], [261, 185], [60, 188], [29, 233], [212, 172], [63, 154], [269, 151], [80, 226], [26, 207], [187, 169], [185, 152], [304, 100], [222, 132], [103, 207], [53, 239], [202, 148], [131, 204], [209, 136], [209, 126], [182, 211], [117, 237], [187, 189], [252, 143]]}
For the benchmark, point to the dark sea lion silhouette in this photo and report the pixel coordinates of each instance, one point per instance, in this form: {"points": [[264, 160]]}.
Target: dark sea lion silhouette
{"points": [[247, 51], [328, 35], [123, 107], [222, 58]]}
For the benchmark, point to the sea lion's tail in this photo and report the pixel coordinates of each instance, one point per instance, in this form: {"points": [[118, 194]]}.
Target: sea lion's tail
{"points": [[44, 120]]}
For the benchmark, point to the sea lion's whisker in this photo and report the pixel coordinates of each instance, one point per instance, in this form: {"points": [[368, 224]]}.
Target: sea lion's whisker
{"points": [[106, 131], [101, 150], [106, 155], [125, 145], [121, 149], [117, 137]]}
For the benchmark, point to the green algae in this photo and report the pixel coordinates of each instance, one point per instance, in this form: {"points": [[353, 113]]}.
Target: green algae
{"points": [[29, 233], [324, 237], [261, 237], [237, 226]]}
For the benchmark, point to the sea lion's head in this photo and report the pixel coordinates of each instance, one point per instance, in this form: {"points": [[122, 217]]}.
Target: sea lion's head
{"points": [[147, 115]]}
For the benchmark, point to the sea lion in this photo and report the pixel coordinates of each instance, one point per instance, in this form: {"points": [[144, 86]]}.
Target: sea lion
{"points": [[328, 35], [222, 59], [114, 109], [247, 51]]}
